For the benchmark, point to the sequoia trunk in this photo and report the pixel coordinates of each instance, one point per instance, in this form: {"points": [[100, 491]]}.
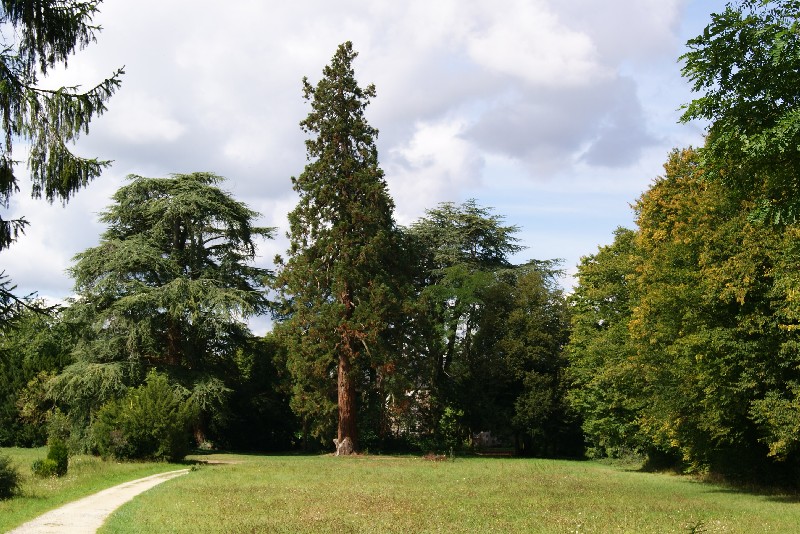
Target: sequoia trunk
{"points": [[346, 400]]}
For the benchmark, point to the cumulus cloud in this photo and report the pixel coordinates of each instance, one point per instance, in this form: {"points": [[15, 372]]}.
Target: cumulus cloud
{"points": [[426, 170], [627, 30], [553, 88], [526, 40]]}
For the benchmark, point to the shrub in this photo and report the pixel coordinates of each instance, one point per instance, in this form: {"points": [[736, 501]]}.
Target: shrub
{"points": [[150, 422], [56, 463], [453, 432], [9, 478], [45, 468], [59, 454]]}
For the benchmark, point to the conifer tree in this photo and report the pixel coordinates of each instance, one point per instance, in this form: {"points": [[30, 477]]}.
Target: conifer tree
{"points": [[337, 283], [168, 288], [38, 36]]}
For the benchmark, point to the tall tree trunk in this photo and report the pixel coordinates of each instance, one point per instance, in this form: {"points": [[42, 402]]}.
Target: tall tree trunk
{"points": [[347, 400], [346, 385]]}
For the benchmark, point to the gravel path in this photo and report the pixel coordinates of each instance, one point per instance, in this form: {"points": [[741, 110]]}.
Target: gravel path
{"points": [[86, 515]]}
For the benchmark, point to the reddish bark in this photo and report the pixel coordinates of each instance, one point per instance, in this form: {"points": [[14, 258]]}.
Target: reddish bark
{"points": [[346, 401], [346, 386]]}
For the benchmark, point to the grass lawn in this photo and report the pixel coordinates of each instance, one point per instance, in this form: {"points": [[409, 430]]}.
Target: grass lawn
{"points": [[404, 494], [86, 475]]}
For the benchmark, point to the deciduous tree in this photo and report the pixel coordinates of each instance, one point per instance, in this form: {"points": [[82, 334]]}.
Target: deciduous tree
{"points": [[746, 65], [34, 345], [606, 383], [462, 251]]}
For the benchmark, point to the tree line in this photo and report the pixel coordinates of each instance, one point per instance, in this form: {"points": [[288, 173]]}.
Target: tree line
{"points": [[385, 338], [678, 343], [684, 330]]}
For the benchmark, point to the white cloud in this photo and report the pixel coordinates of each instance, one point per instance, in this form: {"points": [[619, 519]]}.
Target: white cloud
{"points": [[626, 30], [436, 165], [528, 41], [571, 93], [140, 118], [40, 258]]}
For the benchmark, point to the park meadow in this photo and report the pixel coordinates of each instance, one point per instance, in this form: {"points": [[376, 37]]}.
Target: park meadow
{"points": [[397, 353], [373, 493]]}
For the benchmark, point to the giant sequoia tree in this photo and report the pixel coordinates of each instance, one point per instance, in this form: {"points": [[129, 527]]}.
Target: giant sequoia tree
{"points": [[337, 282], [37, 36], [168, 288]]}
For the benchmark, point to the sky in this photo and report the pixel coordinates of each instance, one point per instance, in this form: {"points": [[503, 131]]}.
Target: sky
{"points": [[557, 114]]}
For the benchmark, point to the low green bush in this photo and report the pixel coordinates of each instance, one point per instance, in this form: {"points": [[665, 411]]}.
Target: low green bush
{"points": [[56, 462], [151, 422], [45, 468], [59, 454], [9, 478]]}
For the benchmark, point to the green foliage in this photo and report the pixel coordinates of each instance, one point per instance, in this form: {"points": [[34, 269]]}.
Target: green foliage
{"points": [[702, 323], [779, 417], [9, 478], [683, 333], [151, 422], [45, 468], [81, 388], [57, 461], [169, 287], [33, 347], [487, 337], [11, 305], [258, 415], [453, 433], [59, 427], [339, 283], [606, 383], [747, 65], [43, 34], [460, 251], [537, 330], [58, 453]]}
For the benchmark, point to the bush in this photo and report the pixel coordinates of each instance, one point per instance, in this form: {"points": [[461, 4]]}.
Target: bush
{"points": [[151, 422], [45, 468], [9, 478], [56, 463], [454, 434], [59, 454]]}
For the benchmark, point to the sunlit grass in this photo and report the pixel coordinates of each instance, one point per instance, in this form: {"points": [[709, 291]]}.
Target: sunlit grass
{"points": [[86, 475], [399, 494]]}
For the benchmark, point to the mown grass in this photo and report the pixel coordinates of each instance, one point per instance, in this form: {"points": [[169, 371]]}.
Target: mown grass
{"points": [[86, 475], [401, 494]]}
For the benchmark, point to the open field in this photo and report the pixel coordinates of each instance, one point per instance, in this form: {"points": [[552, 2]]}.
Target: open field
{"points": [[250, 493], [86, 475], [405, 494]]}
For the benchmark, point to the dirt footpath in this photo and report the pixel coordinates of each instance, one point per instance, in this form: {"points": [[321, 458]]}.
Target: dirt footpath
{"points": [[87, 515]]}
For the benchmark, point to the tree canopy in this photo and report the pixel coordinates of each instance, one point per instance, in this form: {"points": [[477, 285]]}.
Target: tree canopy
{"points": [[746, 65], [678, 343], [169, 287], [683, 333]]}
